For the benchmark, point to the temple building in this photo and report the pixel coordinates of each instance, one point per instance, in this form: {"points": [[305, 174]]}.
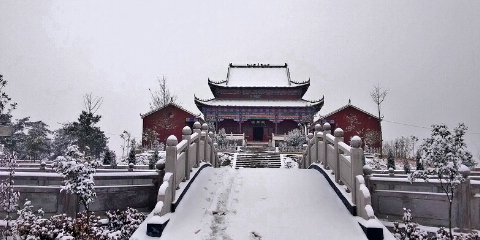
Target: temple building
{"points": [[258, 100]]}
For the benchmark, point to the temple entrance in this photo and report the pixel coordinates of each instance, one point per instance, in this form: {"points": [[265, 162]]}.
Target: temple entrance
{"points": [[258, 134]]}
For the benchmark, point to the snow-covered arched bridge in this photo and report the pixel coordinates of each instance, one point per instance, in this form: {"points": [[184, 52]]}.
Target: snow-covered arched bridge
{"points": [[262, 203]]}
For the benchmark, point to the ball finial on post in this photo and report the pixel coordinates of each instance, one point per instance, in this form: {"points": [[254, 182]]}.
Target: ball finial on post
{"points": [[186, 130], [172, 140], [210, 134], [318, 127], [204, 127], [197, 125], [338, 132], [310, 135], [326, 126], [356, 142]]}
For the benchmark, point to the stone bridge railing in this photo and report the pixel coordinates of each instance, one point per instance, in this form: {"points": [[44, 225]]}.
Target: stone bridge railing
{"points": [[194, 152], [329, 153]]}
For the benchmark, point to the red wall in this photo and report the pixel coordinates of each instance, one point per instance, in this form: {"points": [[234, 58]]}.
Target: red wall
{"points": [[365, 122], [247, 128], [178, 117]]}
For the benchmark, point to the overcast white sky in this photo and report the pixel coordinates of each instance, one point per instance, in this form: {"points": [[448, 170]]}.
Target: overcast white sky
{"points": [[425, 52]]}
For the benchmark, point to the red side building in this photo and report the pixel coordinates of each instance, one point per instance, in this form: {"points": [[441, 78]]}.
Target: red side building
{"points": [[258, 100], [169, 120], [355, 121]]}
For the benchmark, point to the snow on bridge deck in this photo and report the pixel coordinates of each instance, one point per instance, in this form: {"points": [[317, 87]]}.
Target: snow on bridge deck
{"points": [[224, 203]]}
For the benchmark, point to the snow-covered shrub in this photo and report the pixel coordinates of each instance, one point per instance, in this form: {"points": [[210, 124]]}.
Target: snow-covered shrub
{"points": [[78, 170], [121, 225], [411, 230], [131, 156], [8, 195], [296, 138], [221, 138], [418, 160], [226, 159], [390, 160], [153, 159], [406, 166], [126, 221], [26, 218], [291, 161], [50, 229], [377, 163]]}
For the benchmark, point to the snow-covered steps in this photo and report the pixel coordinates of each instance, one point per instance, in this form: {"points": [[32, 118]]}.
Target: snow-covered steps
{"points": [[258, 160]]}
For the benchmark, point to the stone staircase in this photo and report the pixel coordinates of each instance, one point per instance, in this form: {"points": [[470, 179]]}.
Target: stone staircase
{"points": [[258, 160]]}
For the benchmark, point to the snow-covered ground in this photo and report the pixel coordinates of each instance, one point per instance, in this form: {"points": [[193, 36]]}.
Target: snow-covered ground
{"points": [[227, 203]]}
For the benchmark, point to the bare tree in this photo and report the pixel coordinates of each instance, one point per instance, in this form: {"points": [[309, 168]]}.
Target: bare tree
{"points": [[378, 95], [92, 104], [126, 141], [162, 96]]}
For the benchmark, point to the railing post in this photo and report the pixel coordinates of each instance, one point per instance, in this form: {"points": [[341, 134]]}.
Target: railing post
{"points": [[356, 154], [309, 149], [215, 155], [197, 128], [338, 133], [326, 130], [304, 156], [205, 141], [171, 160], [318, 128], [464, 195], [187, 135], [212, 159]]}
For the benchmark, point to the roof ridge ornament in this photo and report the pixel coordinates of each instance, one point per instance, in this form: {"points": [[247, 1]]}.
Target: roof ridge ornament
{"points": [[217, 82], [304, 82]]}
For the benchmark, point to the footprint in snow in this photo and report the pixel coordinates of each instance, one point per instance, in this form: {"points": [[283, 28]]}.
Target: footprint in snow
{"points": [[205, 188]]}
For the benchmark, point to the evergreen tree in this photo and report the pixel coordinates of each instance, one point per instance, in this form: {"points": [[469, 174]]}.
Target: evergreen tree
{"points": [[390, 160], [132, 153], [406, 166], [83, 133], [37, 142], [107, 158], [418, 160], [153, 159]]}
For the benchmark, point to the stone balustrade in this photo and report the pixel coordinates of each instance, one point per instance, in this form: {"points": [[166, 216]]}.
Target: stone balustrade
{"points": [[345, 162], [196, 150]]}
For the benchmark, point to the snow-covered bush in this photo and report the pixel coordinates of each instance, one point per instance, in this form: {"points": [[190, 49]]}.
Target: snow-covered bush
{"points": [[390, 160], [26, 218], [411, 230], [226, 159], [126, 222], [8, 195], [291, 161], [221, 138], [153, 159], [78, 170], [121, 225], [296, 138], [406, 166], [131, 156]]}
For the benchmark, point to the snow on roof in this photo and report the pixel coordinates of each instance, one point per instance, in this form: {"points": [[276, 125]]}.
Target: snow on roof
{"points": [[346, 106], [254, 76], [173, 104], [258, 75], [261, 103]]}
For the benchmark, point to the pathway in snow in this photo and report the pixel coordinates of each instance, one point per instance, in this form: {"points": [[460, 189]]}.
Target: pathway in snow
{"points": [[225, 203]]}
